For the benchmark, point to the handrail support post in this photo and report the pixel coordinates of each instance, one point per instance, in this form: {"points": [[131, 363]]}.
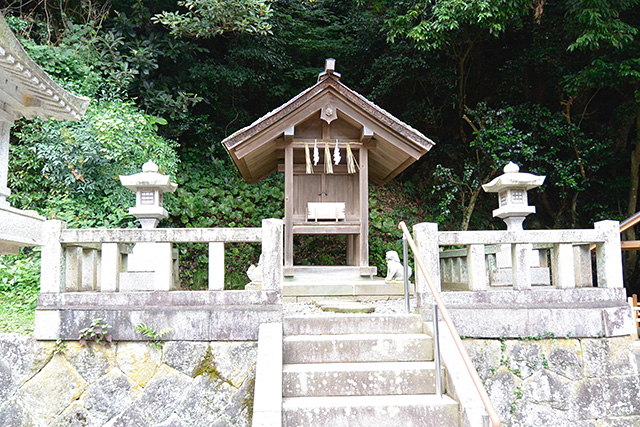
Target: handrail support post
{"points": [[436, 351], [405, 254]]}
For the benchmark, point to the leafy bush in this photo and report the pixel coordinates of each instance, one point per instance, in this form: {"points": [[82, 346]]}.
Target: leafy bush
{"points": [[80, 163], [19, 287]]}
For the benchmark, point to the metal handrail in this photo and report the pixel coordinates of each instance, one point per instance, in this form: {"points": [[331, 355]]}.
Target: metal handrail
{"points": [[484, 396]]}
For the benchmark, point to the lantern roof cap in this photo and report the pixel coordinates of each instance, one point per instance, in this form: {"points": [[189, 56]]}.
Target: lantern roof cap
{"points": [[513, 179], [148, 179]]}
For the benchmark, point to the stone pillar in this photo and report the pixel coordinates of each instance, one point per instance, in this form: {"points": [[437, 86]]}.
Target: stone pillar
{"points": [[5, 129], [521, 268], [272, 250], [110, 268], [609, 255], [582, 262], [562, 266], [164, 270], [216, 266], [52, 267], [426, 238], [476, 268], [73, 272]]}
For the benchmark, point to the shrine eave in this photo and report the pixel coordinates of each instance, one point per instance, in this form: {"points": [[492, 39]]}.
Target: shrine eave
{"points": [[26, 90], [398, 145]]}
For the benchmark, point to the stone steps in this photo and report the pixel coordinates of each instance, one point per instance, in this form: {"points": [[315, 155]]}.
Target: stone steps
{"points": [[354, 411], [349, 324], [358, 379], [357, 348], [361, 370]]}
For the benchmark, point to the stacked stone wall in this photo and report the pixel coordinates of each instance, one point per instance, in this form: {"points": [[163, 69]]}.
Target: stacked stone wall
{"points": [[130, 384], [560, 382]]}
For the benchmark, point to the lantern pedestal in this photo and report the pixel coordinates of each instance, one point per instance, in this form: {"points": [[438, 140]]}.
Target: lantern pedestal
{"points": [[151, 266]]}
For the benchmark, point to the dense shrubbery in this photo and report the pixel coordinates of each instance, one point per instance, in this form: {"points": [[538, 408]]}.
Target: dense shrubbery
{"points": [[553, 87]]}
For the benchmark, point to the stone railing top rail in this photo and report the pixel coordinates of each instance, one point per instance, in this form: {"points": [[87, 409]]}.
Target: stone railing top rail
{"points": [[182, 235], [446, 238]]}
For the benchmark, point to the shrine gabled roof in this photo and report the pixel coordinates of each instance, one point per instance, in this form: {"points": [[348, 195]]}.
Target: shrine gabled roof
{"points": [[27, 90], [254, 149]]}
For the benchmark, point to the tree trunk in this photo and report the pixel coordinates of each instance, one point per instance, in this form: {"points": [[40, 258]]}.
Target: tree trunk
{"points": [[634, 176]]}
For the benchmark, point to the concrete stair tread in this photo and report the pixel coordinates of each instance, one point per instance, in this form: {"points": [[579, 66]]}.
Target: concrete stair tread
{"points": [[358, 378], [356, 366], [421, 410], [341, 324], [355, 337], [289, 403]]}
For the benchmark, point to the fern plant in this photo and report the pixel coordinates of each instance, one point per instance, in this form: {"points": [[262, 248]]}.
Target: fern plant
{"points": [[155, 336]]}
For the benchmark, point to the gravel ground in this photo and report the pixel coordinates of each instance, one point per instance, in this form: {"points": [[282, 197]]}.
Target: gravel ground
{"points": [[394, 306]]}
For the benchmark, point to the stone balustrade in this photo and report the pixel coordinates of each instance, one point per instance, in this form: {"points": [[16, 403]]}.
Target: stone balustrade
{"points": [[570, 256], [84, 271], [570, 304], [93, 260]]}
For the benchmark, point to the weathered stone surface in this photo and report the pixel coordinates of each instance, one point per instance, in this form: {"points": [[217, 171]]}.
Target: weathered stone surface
{"points": [[205, 402], [619, 422], [12, 414], [236, 361], [139, 362], [565, 358], [528, 414], [108, 396], [172, 421], [588, 399], [163, 394], [184, 356], [624, 395], [485, 355], [608, 357], [76, 416], [502, 390], [24, 356], [130, 417], [547, 387], [51, 390], [90, 362], [5, 381], [524, 357]]}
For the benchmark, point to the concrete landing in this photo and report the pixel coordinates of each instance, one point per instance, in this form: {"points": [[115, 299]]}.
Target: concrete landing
{"points": [[311, 282], [338, 306], [388, 411]]}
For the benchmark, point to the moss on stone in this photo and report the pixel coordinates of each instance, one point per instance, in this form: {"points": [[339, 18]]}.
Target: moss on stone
{"points": [[247, 402], [207, 367]]}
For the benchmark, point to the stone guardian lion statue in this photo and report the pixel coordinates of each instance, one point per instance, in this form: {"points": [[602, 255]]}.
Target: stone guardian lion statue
{"points": [[395, 269]]}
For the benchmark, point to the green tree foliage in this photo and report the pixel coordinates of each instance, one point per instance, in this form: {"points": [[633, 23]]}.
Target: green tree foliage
{"points": [[553, 86], [210, 18]]}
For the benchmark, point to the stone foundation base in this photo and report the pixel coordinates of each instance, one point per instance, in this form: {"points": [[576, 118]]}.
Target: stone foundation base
{"points": [[191, 315]]}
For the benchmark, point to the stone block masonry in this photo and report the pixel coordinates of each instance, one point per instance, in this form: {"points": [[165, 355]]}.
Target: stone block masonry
{"points": [[560, 382], [130, 384]]}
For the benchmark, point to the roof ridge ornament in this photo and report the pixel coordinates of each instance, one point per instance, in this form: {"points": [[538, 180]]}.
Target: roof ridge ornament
{"points": [[329, 70]]}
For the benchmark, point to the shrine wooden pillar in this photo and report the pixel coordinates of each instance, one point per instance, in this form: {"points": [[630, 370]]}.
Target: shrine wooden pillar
{"points": [[288, 210], [364, 210]]}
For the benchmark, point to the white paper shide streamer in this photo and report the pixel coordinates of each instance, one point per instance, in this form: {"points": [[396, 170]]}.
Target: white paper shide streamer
{"points": [[316, 154], [336, 154]]}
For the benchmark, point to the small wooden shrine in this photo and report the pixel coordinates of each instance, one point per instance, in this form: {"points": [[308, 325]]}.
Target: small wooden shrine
{"points": [[329, 141]]}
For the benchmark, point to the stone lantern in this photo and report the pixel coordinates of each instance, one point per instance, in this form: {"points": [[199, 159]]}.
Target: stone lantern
{"points": [[151, 266], [149, 186], [517, 261], [512, 189]]}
